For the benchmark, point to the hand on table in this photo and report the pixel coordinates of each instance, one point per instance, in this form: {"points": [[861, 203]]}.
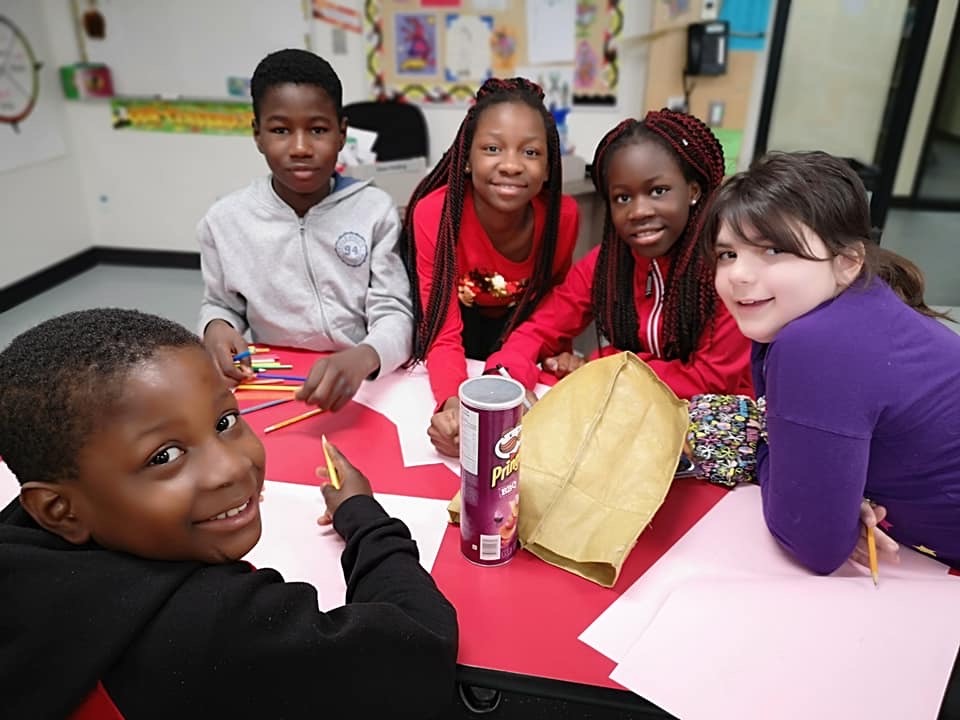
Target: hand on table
{"points": [[563, 364], [444, 430], [223, 342], [887, 548], [352, 482], [531, 400], [334, 379]]}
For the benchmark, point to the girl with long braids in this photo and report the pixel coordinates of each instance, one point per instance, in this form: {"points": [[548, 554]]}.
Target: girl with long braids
{"points": [[486, 235], [647, 286]]}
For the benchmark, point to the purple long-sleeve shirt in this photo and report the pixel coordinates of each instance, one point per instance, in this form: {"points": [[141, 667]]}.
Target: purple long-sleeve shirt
{"points": [[863, 401]]}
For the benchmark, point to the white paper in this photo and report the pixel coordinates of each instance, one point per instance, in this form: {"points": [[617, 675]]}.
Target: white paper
{"points": [[550, 31], [358, 148], [809, 647], [730, 542], [468, 48], [556, 81], [9, 486], [302, 551]]}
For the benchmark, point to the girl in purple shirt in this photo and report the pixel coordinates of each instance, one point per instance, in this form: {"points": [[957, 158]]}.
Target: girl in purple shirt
{"points": [[861, 380]]}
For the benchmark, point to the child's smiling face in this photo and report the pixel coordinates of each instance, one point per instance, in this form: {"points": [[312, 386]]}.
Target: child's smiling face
{"points": [[649, 197], [167, 465], [765, 288], [508, 157]]}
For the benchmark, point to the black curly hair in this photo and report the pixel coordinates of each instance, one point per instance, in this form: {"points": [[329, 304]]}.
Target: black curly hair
{"points": [[300, 67], [59, 378]]}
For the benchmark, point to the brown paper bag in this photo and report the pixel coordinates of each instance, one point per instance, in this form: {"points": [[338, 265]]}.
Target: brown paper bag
{"points": [[598, 454]]}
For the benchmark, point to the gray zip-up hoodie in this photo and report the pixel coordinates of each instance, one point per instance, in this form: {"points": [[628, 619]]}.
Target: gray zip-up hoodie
{"points": [[328, 281]]}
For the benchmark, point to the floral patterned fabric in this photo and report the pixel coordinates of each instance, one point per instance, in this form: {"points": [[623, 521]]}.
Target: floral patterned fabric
{"points": [[488, 288], [723, 435]]}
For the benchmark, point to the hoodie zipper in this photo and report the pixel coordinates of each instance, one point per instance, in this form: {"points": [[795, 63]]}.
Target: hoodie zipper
{"points": [[654, 287], [301, 221]]}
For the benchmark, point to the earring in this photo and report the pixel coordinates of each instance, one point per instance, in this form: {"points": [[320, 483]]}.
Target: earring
{"points": [[694, 201], [466, 169]]}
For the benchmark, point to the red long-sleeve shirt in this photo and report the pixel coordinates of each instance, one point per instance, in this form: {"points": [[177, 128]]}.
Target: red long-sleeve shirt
{"points": [[485, 278], [720, 364]]}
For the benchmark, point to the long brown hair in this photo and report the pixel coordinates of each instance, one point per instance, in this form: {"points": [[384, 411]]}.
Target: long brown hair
{"points": [[690, 296], [823, 193], [450, 172]]}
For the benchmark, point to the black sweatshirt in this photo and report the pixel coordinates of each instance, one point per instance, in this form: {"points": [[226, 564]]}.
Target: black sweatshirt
{"points": [[185, 639]]}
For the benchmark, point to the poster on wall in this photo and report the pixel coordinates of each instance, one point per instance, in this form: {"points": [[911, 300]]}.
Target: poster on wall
{"points": [[440, 52], [195, 117], [30, 116]]}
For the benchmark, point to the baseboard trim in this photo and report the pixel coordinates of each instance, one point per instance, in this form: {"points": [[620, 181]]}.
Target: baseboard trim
{"points": [[932, 204], [181, 260], [43, 280]]}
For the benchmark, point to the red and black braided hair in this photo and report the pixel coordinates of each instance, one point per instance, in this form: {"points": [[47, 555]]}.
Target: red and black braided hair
{"points": [[450, 171], [689, 296]]}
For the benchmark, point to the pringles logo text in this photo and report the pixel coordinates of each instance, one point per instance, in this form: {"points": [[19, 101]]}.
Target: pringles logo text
{"points": [[507, 449]]}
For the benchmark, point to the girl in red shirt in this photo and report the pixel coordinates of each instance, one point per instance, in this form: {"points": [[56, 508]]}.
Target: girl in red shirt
{"points": [[648, 286], [486, 235]]}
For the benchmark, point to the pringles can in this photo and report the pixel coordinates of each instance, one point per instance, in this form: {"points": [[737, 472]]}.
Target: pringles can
{"points": [[491, 409]]}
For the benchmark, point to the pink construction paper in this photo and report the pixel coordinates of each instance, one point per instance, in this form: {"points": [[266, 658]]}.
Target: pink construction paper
{"points": [[730, 542], [9, 486], [809, 647]]}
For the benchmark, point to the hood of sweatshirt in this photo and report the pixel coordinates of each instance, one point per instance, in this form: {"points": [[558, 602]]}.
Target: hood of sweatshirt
{"points": [[341, 187]]}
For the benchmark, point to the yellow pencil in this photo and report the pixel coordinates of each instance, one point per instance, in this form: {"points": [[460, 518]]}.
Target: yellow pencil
{"points": [[253, 386], [331, 470], [872, 553], [291, 421]]}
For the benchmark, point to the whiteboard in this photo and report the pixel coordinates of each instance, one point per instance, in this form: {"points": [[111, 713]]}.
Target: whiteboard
{"points": [[188, 48]]}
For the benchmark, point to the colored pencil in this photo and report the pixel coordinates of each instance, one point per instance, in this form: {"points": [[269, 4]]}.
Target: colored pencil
{"points": [[295, 419], [262, 406], [331, 470], [241, 355], [872, 553], [287, 388], [270, 376]]}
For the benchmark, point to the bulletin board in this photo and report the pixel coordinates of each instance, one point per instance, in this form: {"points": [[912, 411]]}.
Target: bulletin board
{"points": [[441, 51]]}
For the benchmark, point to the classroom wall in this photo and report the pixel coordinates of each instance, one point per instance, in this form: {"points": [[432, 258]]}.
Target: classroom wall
{"points": [[948, 119], [44, 216], [835, 74], [925, 100], [668, 57], [149, 190]]}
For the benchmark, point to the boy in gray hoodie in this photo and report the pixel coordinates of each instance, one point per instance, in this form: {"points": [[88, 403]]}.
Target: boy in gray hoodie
{"points": [[305, 257]]}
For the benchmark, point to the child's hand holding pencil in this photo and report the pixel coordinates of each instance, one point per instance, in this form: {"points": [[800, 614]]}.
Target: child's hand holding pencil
{"points": [[884, 546], [352, 482], [224, 343]]}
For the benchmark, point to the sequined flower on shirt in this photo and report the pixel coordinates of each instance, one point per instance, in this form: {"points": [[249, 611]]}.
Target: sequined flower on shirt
{"points": [[489, 289]]}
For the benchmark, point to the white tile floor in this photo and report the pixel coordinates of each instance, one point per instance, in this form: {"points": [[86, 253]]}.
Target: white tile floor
{"points": [[175, 294]]}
